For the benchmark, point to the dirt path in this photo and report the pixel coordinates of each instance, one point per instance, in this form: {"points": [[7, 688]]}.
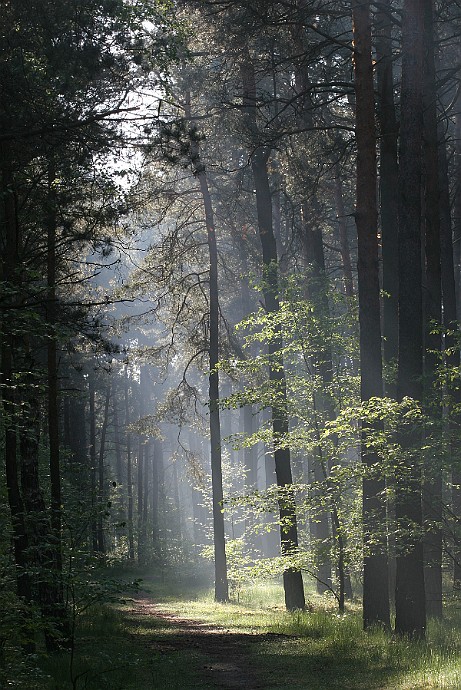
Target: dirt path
{"points": [[228, 663]]}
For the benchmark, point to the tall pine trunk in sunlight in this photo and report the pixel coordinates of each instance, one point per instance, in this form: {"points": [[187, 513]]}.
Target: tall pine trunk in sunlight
{"points": [[375, 566], [221, 583], [410, 605], [292, 579]]}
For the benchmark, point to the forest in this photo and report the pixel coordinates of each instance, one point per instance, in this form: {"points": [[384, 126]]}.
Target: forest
{"points": [[230, 365]]}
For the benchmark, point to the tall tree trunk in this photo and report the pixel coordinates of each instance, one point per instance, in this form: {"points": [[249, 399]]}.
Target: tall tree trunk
{"points": [[388, 187], [456, 421], [129, 472], [10, 263], [343, 238], [451, 340], [155, 498], [93, 466], [221, 583], [432, 486], [101, 474], [409, 596], [119, 471], [140, 502], [292, 578], [53, 414], [388, 184], [375, 567]]}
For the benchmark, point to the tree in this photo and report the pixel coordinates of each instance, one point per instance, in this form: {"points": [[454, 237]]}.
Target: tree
{"points": [[292, 579], [375, 568], [410, 596], [221, 584]]}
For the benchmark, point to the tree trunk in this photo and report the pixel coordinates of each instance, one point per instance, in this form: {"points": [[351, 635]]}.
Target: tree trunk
{"points": [[375, 567], [101, 475], [221, 583], [292, 578], [10, 276], [155, 498], [455, 436], [53, 416], [388, 184], [343, 238], [129, 479], [93, 466], [140, 501], [409, 596], [432, 485]]}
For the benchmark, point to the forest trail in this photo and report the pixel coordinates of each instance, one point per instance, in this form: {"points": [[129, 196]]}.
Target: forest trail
{"points": [[226, 656]]}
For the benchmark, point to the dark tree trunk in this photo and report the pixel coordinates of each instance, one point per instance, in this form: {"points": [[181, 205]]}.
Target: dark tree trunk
{"points": [[140, 501], [250, 458], [452, 311], [457, 209], [343, 238], [145, 498], [326, 525], [101, 475], [93, 466], [119, 471], [292, 579], [375, 567], [78, 436], [10, 275], [221, 583], [432, 486], [155, 497], [451, 341], [388, 185], [410, 597], [129, 472], [53, 416]]}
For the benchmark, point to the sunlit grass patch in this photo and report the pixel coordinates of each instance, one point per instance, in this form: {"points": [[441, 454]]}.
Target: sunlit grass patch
{"points": [[126, 645], [321, 648]]}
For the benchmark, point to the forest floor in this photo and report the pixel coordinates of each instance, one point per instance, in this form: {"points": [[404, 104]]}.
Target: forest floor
{"points": [[221, 655], [168, 636]]}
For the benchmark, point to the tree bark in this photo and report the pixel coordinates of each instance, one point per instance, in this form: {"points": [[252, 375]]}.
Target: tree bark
{"points": [[10, 275], [101, 474], [57, 592], [388, 186], [375, 567], [221, 583], [410, 597], [343, 238], [432, 485], [292, 578], [93, 466], [129, 479]]}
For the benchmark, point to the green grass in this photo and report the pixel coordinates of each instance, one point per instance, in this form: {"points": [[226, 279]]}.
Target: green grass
{"points": [[324, 650], [119, 648]]}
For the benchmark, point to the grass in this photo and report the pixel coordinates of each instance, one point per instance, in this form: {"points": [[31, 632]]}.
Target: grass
{"points": [[117, 651], [120, 649], [323, 650]]}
